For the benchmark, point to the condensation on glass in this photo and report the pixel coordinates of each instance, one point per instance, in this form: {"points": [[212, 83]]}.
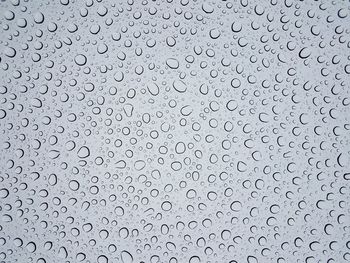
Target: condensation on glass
{"points": [[177, 131]]}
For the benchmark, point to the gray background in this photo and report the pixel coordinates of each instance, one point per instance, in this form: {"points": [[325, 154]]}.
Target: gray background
{"points": [[174, 131]]}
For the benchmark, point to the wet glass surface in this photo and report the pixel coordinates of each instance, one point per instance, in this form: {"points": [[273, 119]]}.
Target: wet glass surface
{"points": [[174, 131]]}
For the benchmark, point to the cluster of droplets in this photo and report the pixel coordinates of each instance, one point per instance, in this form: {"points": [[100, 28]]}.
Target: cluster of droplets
{"points": [[174, 131]]}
